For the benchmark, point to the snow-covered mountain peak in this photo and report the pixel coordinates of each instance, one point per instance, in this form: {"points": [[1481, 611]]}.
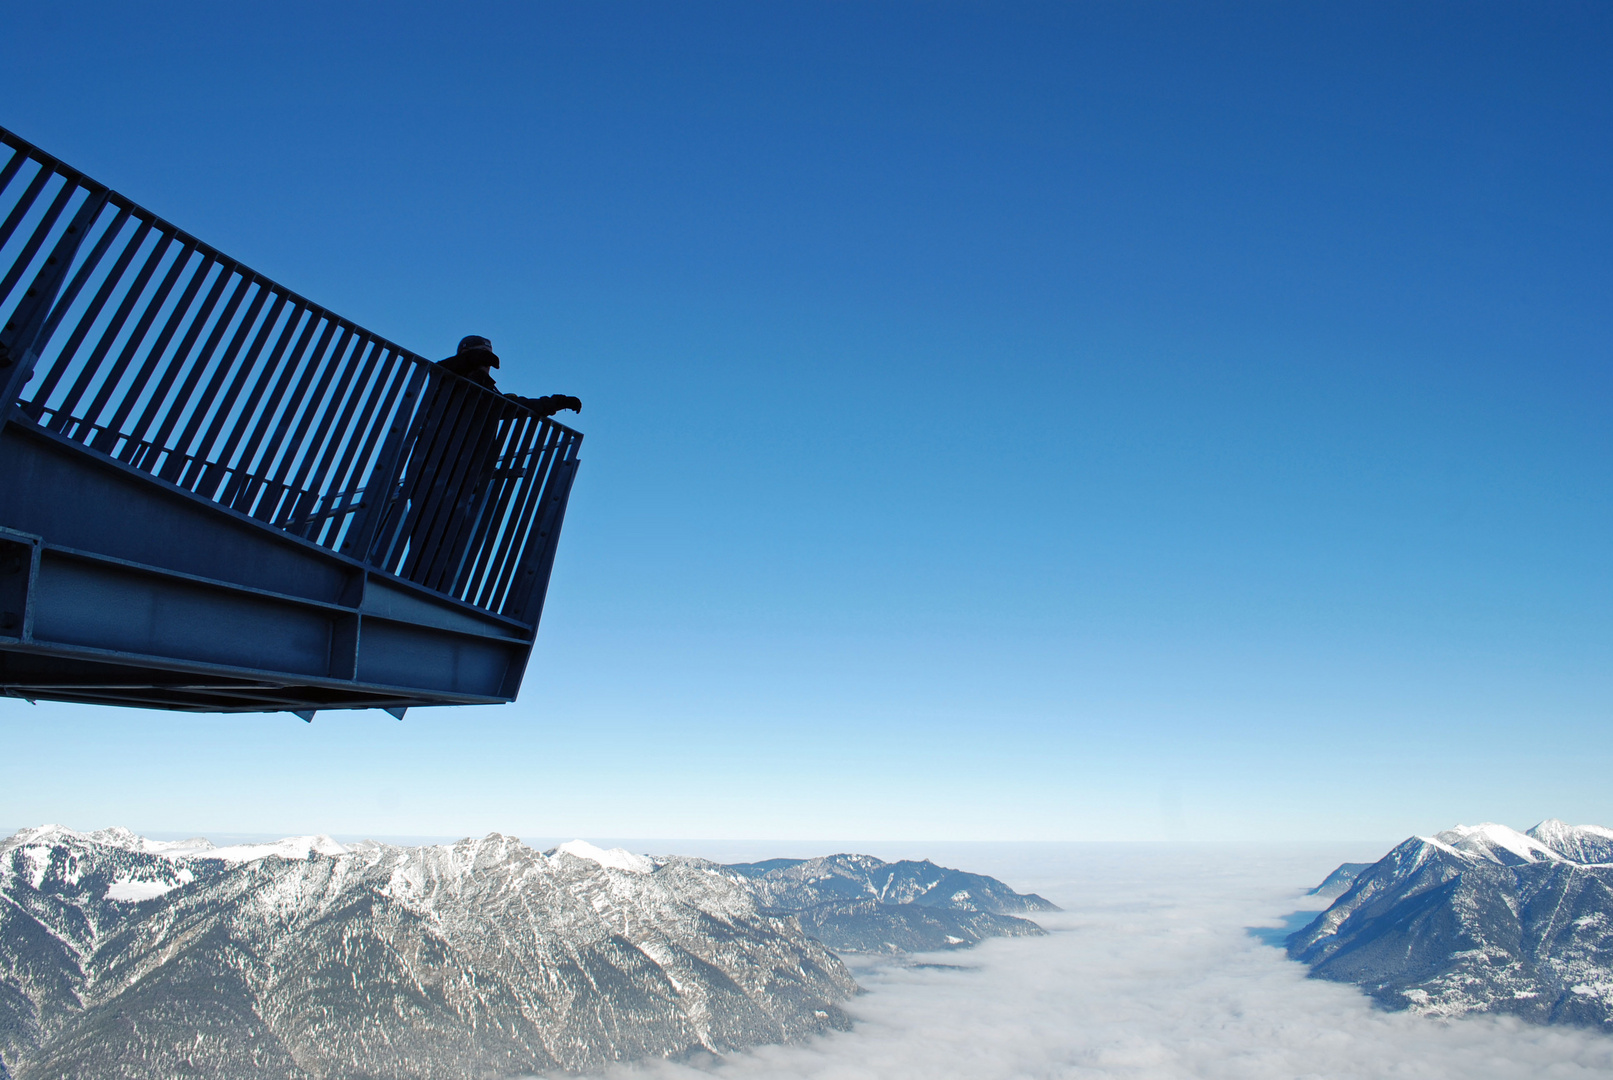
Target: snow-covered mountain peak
{"points": [[299, 848], [1551, 831], [615, 858], [48, 835], [1496, 843]]}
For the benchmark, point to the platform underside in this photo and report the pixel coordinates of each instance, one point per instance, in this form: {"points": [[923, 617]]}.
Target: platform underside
{"points": [[35, 676], [118, 589]]}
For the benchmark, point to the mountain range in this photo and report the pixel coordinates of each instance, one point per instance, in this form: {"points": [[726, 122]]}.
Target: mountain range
{"points": [[306, 959], [1477, 919]]}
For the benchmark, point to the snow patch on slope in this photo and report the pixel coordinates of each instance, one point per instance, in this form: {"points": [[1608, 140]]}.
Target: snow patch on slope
{"points": [[132, 892], [299, 848]]}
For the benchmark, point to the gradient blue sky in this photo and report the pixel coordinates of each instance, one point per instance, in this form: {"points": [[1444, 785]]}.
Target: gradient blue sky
{"points": [[1079, 421]]}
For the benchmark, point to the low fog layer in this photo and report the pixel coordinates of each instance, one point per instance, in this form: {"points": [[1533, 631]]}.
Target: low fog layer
{"points": [[1150, 972]]}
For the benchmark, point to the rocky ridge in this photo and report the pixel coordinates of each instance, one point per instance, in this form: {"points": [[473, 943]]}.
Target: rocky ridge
{"points": [[124, 957], [305, 959]]}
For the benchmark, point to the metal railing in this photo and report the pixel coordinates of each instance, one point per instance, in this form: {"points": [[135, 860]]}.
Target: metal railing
{"points": [[138, 341]]}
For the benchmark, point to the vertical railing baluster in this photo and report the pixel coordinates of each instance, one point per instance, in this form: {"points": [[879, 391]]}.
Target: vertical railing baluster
{"points": [[495, 505], [544, 454], [109, 383], [88, 214], [8, 172], [308, 481], [402, 427], [292, 439], [543, 448], [92, 365], [23, 334], [457, 570], [154, 352], [149, 415], [216, 458], [281, 454], [531, 570], [191, 405], [92, 311], [389, 406], [36, 239], [24, 204], [239, 413], [262, 402]]}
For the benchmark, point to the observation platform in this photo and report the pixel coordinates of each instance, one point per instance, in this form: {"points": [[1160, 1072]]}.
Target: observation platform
{"points": [[218, 496]]}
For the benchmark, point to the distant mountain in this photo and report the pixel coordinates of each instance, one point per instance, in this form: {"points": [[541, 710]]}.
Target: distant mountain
{"points": [[1478, 919], [123, 957], [857, 903], [801, 883], [1339, 881]]}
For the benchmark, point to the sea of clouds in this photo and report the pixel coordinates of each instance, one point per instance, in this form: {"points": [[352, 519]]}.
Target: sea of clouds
{"points": [[1151, 971]]}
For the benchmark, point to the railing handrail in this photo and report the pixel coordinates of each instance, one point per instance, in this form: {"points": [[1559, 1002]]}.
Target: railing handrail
{"points": [[158, 349]]}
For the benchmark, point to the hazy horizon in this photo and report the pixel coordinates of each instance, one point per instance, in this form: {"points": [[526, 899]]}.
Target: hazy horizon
{"points": [[749, 849]]}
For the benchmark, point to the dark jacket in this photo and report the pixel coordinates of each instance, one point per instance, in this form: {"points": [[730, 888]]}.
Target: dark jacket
{"points": [[470, 366]]}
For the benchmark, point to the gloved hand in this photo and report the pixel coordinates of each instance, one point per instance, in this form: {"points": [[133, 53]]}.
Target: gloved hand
{"points": [[564, 401]]}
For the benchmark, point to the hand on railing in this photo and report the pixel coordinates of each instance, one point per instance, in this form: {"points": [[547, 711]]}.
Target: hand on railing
{"points": [[549, 404]]}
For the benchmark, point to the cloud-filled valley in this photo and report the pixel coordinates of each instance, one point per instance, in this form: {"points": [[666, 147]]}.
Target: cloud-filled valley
{"points": [[1151, 971]]}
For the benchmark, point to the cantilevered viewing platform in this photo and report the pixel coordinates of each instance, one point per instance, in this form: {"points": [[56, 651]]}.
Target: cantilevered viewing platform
{"points": [[218, 496]]}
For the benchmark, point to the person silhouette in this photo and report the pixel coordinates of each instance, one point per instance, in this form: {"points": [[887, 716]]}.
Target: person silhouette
{"points": [[453, 465]]}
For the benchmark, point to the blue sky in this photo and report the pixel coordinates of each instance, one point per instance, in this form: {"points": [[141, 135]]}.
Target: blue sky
{"points": [[1134, 421]]}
